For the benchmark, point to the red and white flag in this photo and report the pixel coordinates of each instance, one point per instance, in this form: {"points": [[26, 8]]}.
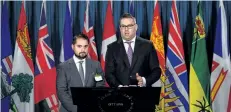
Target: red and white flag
{"points": [[89, 31], [109, 33], [45, 70]]}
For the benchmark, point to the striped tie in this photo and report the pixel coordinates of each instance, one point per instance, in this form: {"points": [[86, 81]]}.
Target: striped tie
{"points": [[129, 51]]}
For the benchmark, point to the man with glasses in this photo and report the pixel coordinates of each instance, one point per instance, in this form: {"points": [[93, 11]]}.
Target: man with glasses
{"points": [[132, 60]]}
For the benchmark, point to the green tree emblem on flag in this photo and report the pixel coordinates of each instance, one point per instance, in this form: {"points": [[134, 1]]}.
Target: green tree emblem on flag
{"points": [[23, 86]]}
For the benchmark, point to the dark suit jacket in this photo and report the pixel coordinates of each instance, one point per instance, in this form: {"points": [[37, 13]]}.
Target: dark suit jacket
{"points": [[145, 62], [68, 76]]}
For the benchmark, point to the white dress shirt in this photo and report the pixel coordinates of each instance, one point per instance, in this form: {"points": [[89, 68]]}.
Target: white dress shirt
{"points": [[126, 49], [76, 60], [126, 45]]}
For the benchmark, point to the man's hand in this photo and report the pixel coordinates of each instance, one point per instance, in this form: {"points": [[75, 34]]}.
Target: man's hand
{"points": [[139, 79]]}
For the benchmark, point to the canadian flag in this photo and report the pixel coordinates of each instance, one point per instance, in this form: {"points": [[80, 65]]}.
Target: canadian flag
{"points": [[109, 34]]}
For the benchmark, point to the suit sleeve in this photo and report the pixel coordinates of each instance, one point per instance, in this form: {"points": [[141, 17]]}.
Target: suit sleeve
{"points": [[110, 68], [100, 71], [155, 70], [62, 91]]}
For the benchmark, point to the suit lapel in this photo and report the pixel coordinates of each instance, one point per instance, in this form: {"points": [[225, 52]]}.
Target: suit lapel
{"points": [[88, 70], [136, 52], [123, 53], [74, 71]]}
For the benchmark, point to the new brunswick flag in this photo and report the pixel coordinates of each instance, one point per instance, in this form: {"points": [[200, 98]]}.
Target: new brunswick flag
{"points": [[158, 43], [199, 71]]}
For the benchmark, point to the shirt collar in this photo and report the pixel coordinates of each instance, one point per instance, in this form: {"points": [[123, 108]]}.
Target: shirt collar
{"points": [[76, 60], [133, 40]]}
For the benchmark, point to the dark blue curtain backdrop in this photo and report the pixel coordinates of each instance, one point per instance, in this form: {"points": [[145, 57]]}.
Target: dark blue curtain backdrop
{"points": [[143, 13]]}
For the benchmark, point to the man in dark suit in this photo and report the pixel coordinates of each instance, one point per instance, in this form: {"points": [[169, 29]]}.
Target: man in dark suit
{"points": [[78, 71], [131, 60]]}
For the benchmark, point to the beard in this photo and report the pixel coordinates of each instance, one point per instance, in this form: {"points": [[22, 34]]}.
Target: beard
{"points": [[81, 55]]}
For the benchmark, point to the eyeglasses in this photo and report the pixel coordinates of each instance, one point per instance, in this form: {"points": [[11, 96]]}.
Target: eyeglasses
{"points": [[127, 26]]}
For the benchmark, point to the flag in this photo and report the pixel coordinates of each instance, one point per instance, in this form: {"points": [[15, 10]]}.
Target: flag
{"points": [[22, 86], [221, 69], [45, 71], [131, 8], [158, 43], [6, 60], [176, 68], [89, 31], [199, 83], [229, 102], [109, 34], [66, 50]]}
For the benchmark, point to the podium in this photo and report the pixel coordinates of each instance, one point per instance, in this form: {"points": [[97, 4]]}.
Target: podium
{"points": [[125, 99]]}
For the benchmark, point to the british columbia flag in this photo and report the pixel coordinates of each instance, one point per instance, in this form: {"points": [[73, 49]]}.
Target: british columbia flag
{"points": [[45, 71], [89, 31], [176, 68]]}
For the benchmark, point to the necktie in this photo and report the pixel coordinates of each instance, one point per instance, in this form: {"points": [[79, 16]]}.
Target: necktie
{"points": [[129, 51], [81, 71]]}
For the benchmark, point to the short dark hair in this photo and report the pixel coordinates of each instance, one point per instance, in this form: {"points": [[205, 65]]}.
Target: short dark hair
{"points": [[127, 15], [81, 35]]}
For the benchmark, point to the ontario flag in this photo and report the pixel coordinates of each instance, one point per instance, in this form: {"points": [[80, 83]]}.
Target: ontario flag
{"points": [[109, 34], [45, 71], [221, 68], [158, 43], [66, 50], [89, 31], [22, 85], [177, 81]]}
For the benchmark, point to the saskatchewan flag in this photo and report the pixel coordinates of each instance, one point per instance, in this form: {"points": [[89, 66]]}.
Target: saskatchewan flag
{"points": [[199, 71]]}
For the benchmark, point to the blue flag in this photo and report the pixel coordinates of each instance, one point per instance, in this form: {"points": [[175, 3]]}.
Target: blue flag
{"points": [[66, 50], [131, 8], [6, 60]]}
